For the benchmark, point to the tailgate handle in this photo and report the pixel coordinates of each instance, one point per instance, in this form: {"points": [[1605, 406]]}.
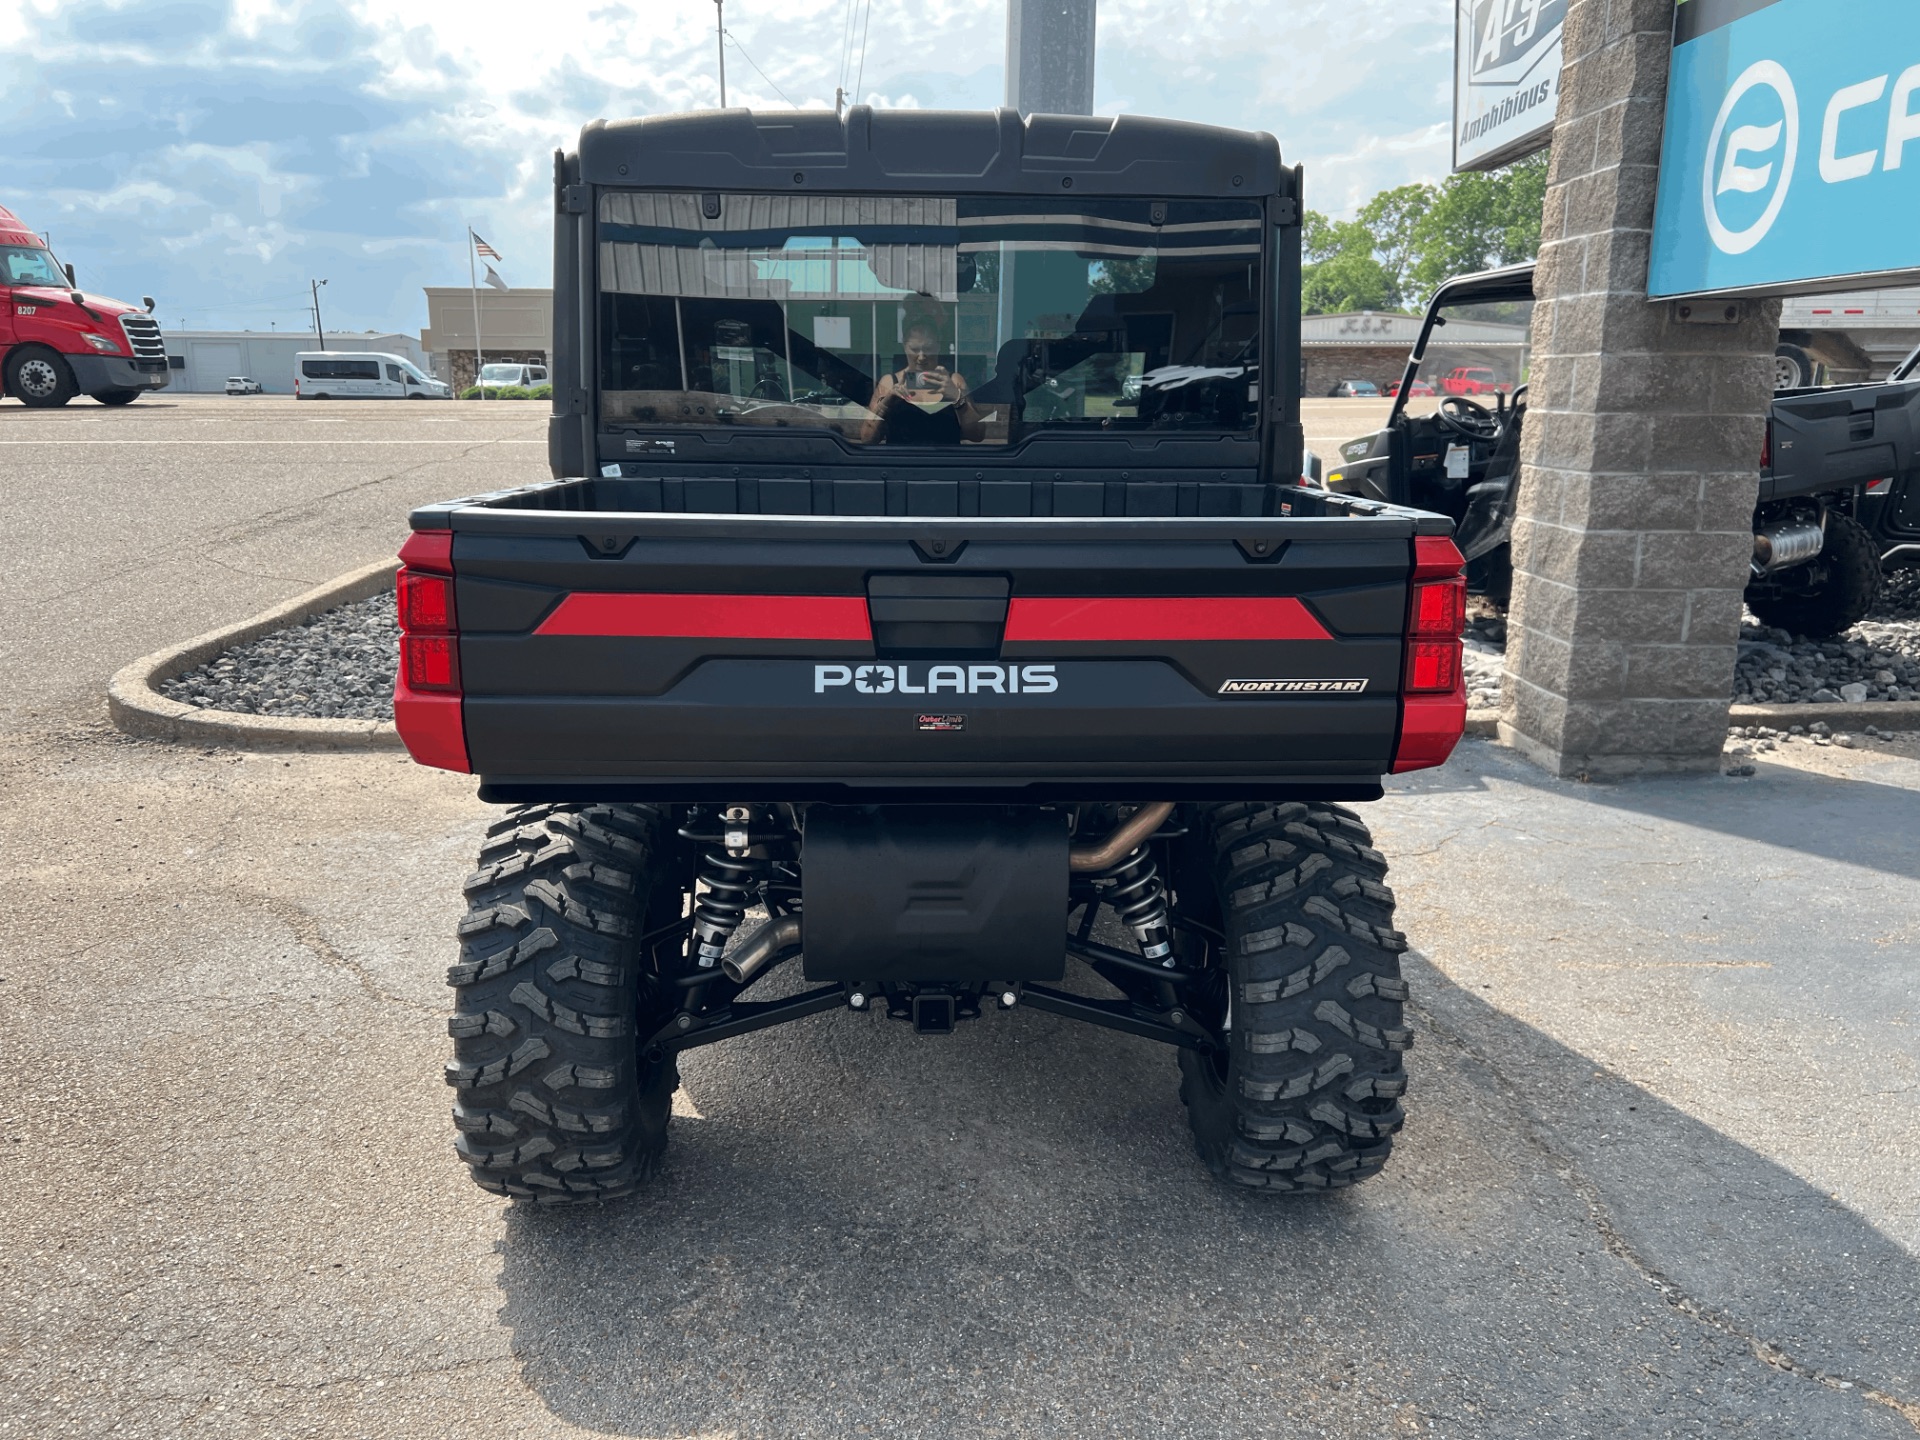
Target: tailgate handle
{"points": [[938, 614]]}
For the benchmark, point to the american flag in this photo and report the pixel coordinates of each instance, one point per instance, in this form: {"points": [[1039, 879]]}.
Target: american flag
{"points": [[483, 249]]}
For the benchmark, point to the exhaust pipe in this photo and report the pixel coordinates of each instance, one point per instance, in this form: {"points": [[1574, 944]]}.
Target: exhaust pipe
{"points": [[1124, 841], [1790, 543], [760, 949]]}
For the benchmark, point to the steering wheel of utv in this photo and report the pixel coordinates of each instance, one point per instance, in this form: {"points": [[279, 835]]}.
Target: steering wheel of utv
{"points": [[1468, 418]]}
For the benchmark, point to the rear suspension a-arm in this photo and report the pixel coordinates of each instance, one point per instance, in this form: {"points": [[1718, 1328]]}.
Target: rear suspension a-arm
{"points": [[688, 1029], [1171, 1027]]}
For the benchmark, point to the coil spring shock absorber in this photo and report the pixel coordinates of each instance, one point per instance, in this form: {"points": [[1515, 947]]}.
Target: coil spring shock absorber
{"points": [[729, 879], [1133, 889]]}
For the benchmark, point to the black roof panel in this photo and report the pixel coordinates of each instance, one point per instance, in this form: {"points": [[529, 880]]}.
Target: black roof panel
{"points": [[943, 152]]}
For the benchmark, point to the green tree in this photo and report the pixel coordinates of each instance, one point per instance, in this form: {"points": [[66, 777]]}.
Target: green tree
{"points": [[1347, 282], [1391, 219], [1478, 221], [1405, 241], [1341, 272]]}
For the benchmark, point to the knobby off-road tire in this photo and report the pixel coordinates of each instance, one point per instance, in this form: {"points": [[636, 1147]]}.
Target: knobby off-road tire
{"points": [[1308, 1095], [554, 1103], [1852, 564]]}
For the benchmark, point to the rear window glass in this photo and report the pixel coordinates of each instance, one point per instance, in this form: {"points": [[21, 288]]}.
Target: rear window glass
{"points": [[927, 320]]}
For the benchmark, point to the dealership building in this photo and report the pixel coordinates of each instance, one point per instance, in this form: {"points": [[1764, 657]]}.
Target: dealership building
{"points": [[515, 325]]}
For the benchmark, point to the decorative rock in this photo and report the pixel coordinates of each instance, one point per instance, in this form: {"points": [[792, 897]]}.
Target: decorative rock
{"points": [[340, 664]]}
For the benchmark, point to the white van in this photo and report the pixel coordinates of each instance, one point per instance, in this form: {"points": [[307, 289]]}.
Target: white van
{"points": [[362, 375], [497, 374]]}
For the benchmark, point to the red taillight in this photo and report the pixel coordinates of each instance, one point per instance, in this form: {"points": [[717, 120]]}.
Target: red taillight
{"points": [[1766, 448], [1440, 608], [1433, 699], [427, 707], [432, 662], [426, 603], [1433, 666]]}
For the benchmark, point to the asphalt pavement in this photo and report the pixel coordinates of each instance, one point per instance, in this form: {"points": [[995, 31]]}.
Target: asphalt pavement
{"points": [[1658, 1178]]}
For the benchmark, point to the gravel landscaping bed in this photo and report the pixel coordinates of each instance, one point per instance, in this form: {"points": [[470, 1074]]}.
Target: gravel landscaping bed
{"points": [[1879, 659], [338, 665]]}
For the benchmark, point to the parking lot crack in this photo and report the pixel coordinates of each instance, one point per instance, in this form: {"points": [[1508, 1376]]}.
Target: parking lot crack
{"points": [[307, 930], [1539, 1134], [1446, 840]]}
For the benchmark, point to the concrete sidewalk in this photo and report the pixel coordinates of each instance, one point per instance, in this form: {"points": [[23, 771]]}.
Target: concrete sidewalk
{"points": [[1700, 998]]}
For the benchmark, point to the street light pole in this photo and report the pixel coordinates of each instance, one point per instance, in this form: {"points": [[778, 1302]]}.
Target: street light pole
{"points": [[720, 44], [318, 330]]}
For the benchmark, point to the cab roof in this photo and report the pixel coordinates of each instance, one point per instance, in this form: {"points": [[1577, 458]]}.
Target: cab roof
{"points": [[14, 231], [934, 152]]}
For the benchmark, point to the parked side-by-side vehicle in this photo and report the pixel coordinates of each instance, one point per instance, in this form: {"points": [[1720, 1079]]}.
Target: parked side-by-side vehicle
{"points": [[925, 599], [1833, 496], [58, 341]]}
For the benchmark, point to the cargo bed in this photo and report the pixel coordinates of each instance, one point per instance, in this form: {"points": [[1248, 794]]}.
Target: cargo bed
{"points": [[606, 651]]}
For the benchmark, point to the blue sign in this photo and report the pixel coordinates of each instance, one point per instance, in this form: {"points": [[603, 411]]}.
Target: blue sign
{"points": [[1792, 151]]}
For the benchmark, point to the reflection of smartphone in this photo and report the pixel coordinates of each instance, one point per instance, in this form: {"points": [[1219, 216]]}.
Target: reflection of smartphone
{"points": [[925, 380]]}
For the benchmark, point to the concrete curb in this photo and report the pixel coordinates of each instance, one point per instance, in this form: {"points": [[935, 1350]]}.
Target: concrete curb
{"points": [[137, 707], [1882, 714]]}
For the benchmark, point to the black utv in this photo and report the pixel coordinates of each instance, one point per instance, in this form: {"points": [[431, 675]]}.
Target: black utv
{"points": [[925, 597], [1815, 568]]}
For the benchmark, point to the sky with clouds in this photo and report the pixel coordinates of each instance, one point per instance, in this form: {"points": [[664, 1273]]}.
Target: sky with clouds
{"points": [[219, 155]]}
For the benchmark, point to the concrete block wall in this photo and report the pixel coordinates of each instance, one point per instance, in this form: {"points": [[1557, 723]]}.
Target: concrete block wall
{"points": [[1641, 449]]}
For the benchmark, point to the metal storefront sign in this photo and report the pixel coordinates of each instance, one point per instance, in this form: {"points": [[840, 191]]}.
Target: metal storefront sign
{"points": [[1792, 153], [1506, 79]]}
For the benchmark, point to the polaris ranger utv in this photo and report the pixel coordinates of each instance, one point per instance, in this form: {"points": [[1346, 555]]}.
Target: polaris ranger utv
{"points": [[1815, 567], [925, 595]]}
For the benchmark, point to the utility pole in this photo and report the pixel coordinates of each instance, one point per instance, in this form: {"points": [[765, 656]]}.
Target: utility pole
{"points": [[318, 329], [720, 44], [1050, 56]]}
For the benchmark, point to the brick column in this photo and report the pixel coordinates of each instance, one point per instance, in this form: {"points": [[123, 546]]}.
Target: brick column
{"points": [[1641, 450]]}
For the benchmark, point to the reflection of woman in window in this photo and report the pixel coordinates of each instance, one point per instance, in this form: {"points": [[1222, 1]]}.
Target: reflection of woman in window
{"points": [[923, 403]]}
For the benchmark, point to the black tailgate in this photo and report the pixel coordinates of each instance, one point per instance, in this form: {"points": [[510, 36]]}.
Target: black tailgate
{"points": [[799, 656]]}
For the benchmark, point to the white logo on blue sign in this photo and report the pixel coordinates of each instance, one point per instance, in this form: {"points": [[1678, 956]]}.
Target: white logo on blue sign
{"points": [[1750, 159], [1792, 149]]}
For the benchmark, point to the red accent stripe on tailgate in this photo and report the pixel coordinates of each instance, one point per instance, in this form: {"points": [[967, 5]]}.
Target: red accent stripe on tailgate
{"points": [[1206, 617], [712, 617]]}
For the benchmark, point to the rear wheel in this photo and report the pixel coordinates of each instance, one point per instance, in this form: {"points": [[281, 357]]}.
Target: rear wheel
{"points": [[1829, 594], [1306, 1094], [1792, 367], [552, 996], [39, 377], [117, 397]]}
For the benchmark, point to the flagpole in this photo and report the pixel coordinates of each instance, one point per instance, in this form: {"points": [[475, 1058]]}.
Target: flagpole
{"points": [[473, 289]]}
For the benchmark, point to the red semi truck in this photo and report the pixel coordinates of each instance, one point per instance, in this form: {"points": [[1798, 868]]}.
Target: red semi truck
{"points": [[57, 342]]}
